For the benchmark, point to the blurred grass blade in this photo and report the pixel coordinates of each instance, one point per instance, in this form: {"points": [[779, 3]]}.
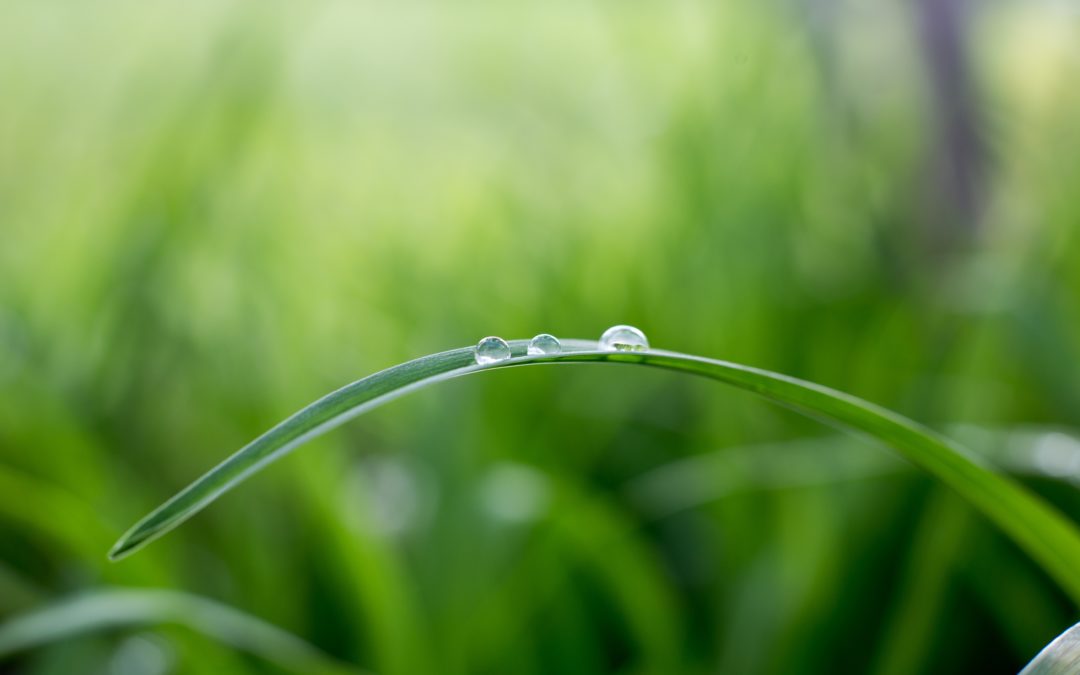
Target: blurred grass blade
{"points": [[16, 592], [1042, 531], [691, 482], [1060, 657], [115, 608]]}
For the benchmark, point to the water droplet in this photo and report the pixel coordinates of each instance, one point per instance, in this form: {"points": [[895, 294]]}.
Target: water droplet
{"points": [[544, 344], [492, 350], [623, 339]]}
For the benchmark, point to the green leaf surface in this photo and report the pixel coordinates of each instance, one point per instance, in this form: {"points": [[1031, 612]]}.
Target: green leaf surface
{"points": [[1043, 532], [1060, 657], [113, 608]]}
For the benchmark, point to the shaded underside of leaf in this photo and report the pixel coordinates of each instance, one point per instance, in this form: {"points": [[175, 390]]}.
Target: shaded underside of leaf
{"points": [[1043, 532]]}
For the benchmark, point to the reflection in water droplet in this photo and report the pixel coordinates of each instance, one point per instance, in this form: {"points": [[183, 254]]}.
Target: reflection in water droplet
{"points": [[492, 350], [623, 339], [544, 344]]}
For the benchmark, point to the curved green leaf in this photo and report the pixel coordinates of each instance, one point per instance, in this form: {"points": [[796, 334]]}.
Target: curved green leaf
{"points": [[1045, 533]]}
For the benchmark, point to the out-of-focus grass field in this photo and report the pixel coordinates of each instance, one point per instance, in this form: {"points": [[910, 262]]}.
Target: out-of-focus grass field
{"points": [[213, 212]]}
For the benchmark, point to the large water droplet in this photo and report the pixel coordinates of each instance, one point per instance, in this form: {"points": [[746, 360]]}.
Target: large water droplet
{"points": [[623, 339], [492, 349], [544, 344]]}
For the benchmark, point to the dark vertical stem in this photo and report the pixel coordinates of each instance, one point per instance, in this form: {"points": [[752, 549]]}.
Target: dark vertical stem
{"points": [[957, 159]]}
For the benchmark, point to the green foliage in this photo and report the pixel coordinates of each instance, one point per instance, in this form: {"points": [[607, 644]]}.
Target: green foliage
{"points": [[213, 211]]}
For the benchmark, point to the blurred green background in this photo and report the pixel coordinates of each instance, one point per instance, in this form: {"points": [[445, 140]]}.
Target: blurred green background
{"points": [[212, 213]]}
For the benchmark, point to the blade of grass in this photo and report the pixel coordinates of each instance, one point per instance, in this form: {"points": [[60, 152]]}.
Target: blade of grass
{"points": [[694, 481], [912, 628], [366, 574], [113, 608], [16, 592], [1042, 531], [1060, 657]]}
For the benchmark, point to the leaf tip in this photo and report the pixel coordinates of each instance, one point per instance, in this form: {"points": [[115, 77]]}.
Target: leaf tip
{"points": [[119, 551], [128, 543]]}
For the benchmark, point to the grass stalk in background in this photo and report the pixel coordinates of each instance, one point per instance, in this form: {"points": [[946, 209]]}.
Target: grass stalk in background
{"points": [[107, 609]]}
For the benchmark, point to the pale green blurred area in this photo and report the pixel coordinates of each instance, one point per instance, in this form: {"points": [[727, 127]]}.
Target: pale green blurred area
{"points": [[211, 213]]}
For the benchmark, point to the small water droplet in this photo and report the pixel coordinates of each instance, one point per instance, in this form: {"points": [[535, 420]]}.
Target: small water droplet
{"points": [[544, 344], [492, 349], [623, 339]]}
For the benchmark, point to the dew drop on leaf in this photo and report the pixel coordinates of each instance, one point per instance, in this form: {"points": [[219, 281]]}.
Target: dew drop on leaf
{"points": [[492, 349], [544, 344], [623, 339]]}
